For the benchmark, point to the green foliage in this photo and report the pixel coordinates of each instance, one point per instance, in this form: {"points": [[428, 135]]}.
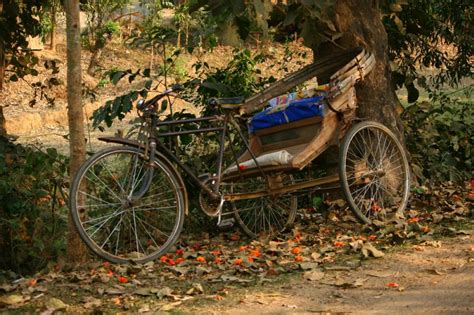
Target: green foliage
{"points": [[123, 104], [240, 77], [18, 21], [33, 212], [429, 34], [439, 134], [101, 24]]}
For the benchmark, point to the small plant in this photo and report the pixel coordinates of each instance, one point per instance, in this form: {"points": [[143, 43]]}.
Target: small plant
{"points": [[33, 209], [439, 135]]}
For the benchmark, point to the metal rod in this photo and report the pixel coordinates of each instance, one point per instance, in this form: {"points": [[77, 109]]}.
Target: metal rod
{"points": [[187, 170], [220, 156], [187, 121], [282, 190], [187, 132]]}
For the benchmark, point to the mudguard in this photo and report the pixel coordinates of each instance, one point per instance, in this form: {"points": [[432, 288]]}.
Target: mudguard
{"points": [[164, 159]]}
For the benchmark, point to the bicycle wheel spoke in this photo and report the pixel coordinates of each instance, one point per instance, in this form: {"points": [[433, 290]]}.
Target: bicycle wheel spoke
{"points": [[267, 214], [111, 233]]}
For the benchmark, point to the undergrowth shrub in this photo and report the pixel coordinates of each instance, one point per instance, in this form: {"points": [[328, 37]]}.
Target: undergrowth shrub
{"points": [[440, 135], [33, 212]]}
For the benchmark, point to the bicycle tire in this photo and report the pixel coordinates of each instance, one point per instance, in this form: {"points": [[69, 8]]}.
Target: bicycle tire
{"points": [[267, 215], [124, 210], [374, 172]]}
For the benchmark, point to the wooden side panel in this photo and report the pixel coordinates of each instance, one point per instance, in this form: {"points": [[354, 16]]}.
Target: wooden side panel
{"points": [[320, 143]]}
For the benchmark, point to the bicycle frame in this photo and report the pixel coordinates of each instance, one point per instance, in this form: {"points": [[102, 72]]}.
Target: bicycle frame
{"points": [[222, 130]]}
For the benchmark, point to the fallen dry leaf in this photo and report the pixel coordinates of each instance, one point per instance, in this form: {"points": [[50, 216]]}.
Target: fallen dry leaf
{"points": [[55, 304], [12, 299], [369, 249], [313, 275], [170, 306]]}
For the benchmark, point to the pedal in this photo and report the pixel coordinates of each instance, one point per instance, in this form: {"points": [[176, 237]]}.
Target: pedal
{"points": [[226, 223]]}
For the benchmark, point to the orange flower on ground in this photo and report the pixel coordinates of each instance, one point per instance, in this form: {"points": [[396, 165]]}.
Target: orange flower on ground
{"points": [[338, 244], [216, 252], [393, 285], [32, 282], [163, 258], [122, 279], [218, 260], [171, 262], [179, 252], [179, 260], [372, 237], [201, 259], [296, 250], [110, 273], [297, 237], [238, 261], [242, 248], [425, 229], [376, 207], [250, 259], [413, 220], [255, 253], [299, 258]]}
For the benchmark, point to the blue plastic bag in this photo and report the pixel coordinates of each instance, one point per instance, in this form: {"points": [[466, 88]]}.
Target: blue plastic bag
{"points": [[296, 110]]}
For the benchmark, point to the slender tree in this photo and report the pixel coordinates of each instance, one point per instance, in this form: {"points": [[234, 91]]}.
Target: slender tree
{"points": [[3, 130], [75, 248]]}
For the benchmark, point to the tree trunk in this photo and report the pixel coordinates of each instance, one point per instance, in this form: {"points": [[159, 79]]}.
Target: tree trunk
{"points": [[178, 39], [52, 39], [76, 250], [2, 54], [94, 61], [3, 130], [360, 22]]}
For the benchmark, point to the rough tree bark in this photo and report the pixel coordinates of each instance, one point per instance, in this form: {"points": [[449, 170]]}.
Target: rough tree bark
{"points": [[76, 250], [361, 24], [3, 130]]}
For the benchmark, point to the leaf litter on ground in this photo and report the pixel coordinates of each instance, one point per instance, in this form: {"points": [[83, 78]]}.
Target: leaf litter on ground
{"points": [[318, 245]]}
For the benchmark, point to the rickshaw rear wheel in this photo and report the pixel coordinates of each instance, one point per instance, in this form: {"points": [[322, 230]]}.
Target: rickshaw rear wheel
{"points": [[374, 172], [265, 216]]}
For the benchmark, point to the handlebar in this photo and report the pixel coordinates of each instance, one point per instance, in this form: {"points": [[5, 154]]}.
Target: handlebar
{"points": [[143, 105]]}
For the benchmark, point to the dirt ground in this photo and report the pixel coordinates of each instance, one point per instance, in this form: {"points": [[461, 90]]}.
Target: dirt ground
{"points": [[435, 278], [432, 275]]}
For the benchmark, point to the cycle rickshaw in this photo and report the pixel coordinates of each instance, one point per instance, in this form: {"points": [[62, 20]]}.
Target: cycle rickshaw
{"points": [[128, 202]]}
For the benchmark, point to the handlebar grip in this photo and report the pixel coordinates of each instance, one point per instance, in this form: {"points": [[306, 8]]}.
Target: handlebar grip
{"points": [[213, 102], [177, 87], [141, 104]]}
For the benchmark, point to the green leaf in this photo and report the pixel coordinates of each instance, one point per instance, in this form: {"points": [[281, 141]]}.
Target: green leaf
{"points": [[116, 76], [413, 93], [317, 202]]}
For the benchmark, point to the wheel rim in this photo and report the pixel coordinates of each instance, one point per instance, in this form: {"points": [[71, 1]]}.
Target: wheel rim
{"points": [[126, 210], [375, 174], [268, 215]]}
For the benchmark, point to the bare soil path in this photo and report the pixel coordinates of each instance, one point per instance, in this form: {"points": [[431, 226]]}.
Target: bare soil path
{"points": [[435, 278]]}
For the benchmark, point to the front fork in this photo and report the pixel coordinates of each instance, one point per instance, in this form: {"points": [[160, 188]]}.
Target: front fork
{"points": [[147, 177]]}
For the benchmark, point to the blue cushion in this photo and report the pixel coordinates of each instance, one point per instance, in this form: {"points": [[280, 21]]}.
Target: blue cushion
{"points": [[294, 111]]}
